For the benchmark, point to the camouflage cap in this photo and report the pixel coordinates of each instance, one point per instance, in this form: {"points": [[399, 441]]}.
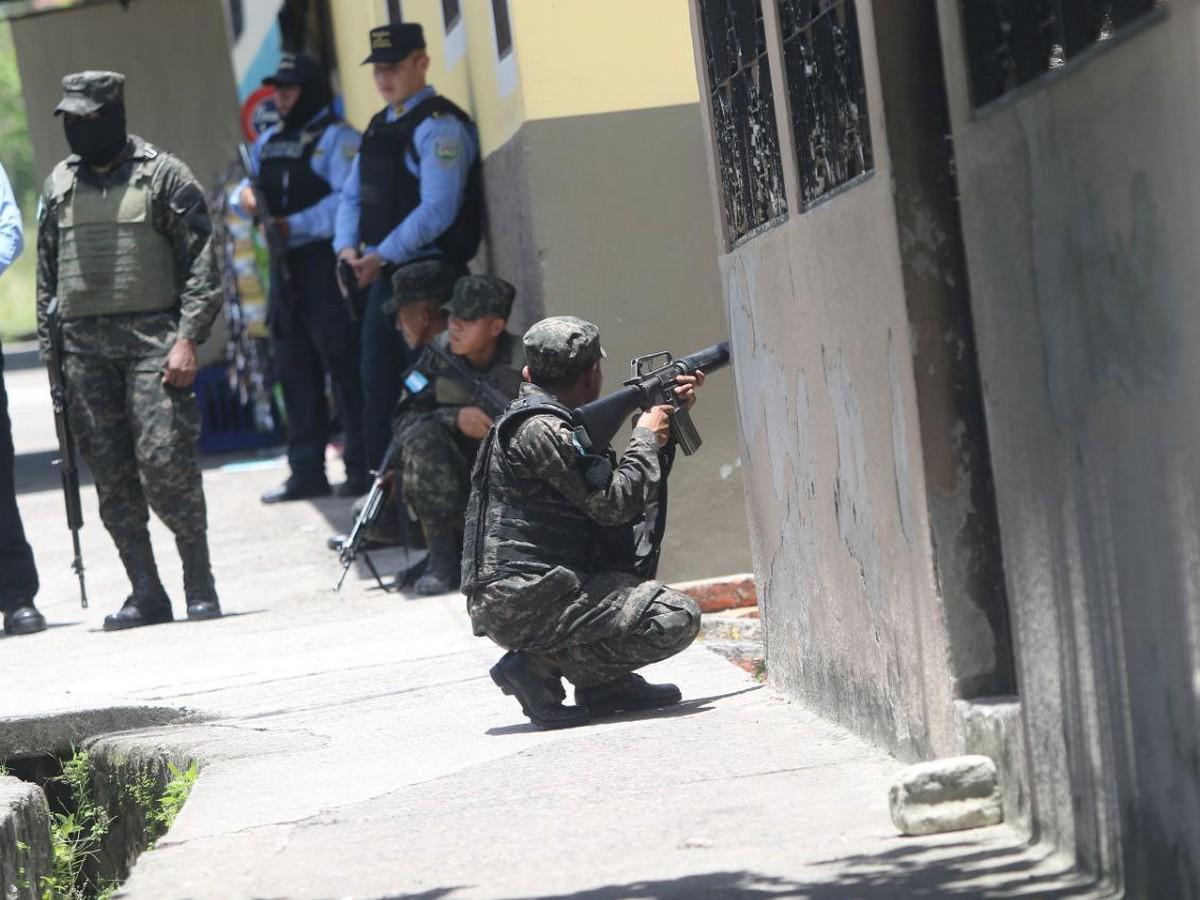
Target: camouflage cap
{"points": [[427, 279], [476, 296], [562, 347], [86, 92]]}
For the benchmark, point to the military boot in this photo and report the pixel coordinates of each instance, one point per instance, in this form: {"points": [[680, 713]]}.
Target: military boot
{"points": [[198, 586], [628, 693], [23, 619], [442, 571], [148, 604], [538, 688]]}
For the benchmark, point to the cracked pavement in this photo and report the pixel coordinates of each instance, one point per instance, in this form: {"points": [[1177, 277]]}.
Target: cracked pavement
{"points": [[353, 745]]}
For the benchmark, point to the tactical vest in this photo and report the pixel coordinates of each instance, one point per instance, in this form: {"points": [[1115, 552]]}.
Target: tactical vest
{"points": [[388, 192], [504, 373], [519, 526], [285, 171], [111, 258]]}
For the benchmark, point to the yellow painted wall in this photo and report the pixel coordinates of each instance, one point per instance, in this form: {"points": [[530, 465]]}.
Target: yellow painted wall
{"points": [[575, 57], [581, 57]]}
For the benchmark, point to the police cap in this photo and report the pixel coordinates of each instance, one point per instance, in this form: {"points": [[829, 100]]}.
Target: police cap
{"points": [[294, 69], [562, 347], [86, 92], [427, 279], [476, 296], [392, 43]]}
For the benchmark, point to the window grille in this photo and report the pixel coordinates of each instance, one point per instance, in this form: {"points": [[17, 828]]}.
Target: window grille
{"points": [[394, 13], [743, 115], [827, 95], [1012, 42], [451, 14], [503, 28]]}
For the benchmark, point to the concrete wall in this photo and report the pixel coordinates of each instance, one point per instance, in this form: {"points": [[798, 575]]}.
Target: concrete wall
{"points": [[829, 425], [179, 90], [1081, 212]]}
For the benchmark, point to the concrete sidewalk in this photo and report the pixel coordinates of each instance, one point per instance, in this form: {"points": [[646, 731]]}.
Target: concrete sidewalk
{"points": [[353, 745]]}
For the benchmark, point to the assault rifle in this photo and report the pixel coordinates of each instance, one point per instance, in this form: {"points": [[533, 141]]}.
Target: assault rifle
{"points": [[66, 441], [436, 360], [653, 383], [276, 242]]}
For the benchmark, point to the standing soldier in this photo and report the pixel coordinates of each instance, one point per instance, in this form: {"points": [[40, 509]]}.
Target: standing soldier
{"points": [[18, 574], [414, 192], [302, 163], [123, 243]]}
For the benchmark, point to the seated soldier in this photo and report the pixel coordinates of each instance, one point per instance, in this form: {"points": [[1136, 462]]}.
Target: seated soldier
{"points": [[419, 290], [442, 415], [561, 543]]}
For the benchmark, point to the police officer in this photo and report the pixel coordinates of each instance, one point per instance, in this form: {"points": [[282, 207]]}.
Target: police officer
{"points": [[414, 192], [441, 422], [18, 574], [554, 562], [124, 243], [302, 163]]}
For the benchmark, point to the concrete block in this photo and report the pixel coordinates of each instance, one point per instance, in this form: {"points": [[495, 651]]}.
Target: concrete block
{"points": [[25, 852], [992, 727], [946, 795]]}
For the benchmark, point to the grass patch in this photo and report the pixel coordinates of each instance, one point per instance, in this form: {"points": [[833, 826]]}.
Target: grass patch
{"points": [[18, 297], [76, 836]]}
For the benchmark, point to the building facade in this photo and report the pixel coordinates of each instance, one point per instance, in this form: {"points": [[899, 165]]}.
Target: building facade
{"points": [[954, 251]]}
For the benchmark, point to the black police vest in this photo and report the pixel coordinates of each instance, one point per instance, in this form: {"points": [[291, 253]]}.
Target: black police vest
{"points": [[518, 526], [285, 173], [388, 192]]}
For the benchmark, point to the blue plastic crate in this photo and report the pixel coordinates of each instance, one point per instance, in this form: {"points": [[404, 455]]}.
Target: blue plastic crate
{"points": [[226, 424]]}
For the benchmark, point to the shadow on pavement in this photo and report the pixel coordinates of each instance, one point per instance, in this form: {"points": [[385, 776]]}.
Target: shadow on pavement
{"points": [[912, 870]]}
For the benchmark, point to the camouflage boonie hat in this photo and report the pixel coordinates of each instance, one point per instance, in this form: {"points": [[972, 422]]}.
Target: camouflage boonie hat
{"points": [[428, 279], [86, 92], [476, 296], [562, 347]]}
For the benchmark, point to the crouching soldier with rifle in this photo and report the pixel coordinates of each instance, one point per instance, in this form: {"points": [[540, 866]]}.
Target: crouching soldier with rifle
{"points": [[562, 538], [465, 377]]}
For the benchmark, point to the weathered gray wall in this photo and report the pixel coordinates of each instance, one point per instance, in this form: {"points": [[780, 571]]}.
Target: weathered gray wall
{"points": [[179, 89], [608, 217], [1081, 211], [835, 487]]}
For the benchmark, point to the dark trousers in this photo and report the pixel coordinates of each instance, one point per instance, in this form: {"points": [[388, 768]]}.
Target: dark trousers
{"points": [[315, 338], [385, 358], [18, 575]]}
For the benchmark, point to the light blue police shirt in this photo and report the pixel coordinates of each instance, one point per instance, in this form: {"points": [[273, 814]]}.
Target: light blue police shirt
{"points": [[12, 235]]}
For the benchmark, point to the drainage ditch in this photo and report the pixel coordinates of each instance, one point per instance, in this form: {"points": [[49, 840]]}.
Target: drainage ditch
{"points": [[73, 822]]}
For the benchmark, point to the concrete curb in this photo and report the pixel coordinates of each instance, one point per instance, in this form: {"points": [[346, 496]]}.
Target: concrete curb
{"points": [[25, 852], [719, 594]]}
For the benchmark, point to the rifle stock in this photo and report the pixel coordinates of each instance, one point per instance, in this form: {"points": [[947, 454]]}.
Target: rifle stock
{"points": [[67, 467], [276, 244]]}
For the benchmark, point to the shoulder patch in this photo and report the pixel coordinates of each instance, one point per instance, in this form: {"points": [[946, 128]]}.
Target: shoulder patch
{"points": [[349, 150], [445, 150]]}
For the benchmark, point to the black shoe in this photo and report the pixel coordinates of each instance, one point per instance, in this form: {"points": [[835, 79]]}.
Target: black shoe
{"points": [[539, 692], [24, 619], [136, 613], [296, 490], [628, 693], [442, 571], [354, 486], [198, 586]]}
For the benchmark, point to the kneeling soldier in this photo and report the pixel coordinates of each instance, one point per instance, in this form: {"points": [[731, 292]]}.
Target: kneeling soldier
{"points": [[442, 418], [560, 543]]}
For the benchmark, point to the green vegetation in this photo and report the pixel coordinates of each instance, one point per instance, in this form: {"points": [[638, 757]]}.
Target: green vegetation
{"points": [[76, 836], [17, 314]]}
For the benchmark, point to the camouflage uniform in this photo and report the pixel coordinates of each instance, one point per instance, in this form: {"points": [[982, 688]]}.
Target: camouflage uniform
{"points": [[561, 543], [137, 433]]}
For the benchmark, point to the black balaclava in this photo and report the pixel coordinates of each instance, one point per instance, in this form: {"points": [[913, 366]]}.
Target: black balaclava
{"points": [[314, 97], [98, 140]]}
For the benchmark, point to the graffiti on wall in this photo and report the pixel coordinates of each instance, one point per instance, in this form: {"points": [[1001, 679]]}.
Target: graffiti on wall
{"points": [[743, 115], [827, 95]]}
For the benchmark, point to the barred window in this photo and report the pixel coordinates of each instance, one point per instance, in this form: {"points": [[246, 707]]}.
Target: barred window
{"points": [[743, 115], [1012, 42], [451, 14], [827, 95], [500, 20]]}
